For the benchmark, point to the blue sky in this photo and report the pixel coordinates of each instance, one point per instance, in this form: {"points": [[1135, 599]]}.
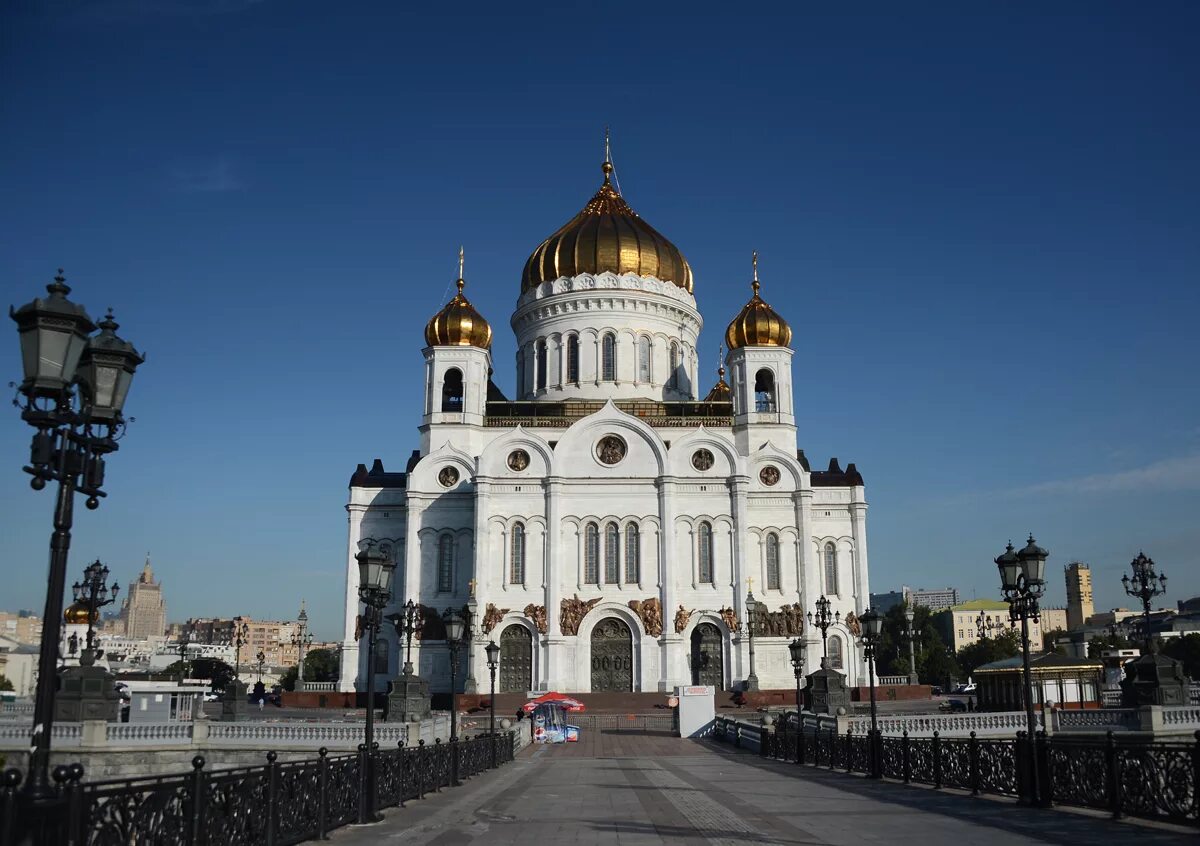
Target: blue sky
{"points": [[982, 223]]}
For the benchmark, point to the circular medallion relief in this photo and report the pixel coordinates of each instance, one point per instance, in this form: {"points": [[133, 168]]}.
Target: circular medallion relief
{"points": [[447, 476], [769, 475], [610, 449], [518, 460], [702, 459]]}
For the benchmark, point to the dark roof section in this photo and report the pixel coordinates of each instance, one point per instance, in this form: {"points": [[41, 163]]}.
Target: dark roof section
{"points": [[803, 459], [412, 461], [377, 477], [1047, 661], [835, 476], [494, 394]]}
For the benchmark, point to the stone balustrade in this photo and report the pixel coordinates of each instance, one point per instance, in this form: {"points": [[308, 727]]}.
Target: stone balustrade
{"points": [[983, 723]]}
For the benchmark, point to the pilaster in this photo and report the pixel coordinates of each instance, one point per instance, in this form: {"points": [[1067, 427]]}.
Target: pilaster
{"points": [[669, 643], [348, 670], [553, 652]]}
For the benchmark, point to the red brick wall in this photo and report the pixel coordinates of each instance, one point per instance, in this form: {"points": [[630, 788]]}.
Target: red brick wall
{"points": [[892, 693]]}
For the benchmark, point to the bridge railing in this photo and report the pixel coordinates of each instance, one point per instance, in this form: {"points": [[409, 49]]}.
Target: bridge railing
{"points": [[1122, 775], [272, 804]]}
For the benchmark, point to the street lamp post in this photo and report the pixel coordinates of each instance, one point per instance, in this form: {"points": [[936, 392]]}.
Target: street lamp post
{"points": [[72, 393], [910, 635], [261, 657], [241, 636], [94, 593], [1022, 580], [493, 661], [375, 571], [751, 617], [987, 627], [408, 622], [872, 630], [471, 635], [823, 620], [796, 647], [185, 640], [454, 638], [301, 639], [1145, 585]]}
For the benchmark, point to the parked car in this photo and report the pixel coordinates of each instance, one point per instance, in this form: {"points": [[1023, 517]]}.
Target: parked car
{"points": [[968, 687], [953, 706], [936, 690]]}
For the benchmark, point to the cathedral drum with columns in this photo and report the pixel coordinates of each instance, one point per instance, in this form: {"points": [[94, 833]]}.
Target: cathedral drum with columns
{"points": [[606, 522]]}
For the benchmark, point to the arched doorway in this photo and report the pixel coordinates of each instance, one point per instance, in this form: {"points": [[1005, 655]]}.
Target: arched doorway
{"points": [[612, 656], [516, 660], [707, 665]]}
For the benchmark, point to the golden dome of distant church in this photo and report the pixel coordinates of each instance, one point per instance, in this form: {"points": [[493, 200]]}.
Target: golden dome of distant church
{"points": [[607, 236], [757, 324]]}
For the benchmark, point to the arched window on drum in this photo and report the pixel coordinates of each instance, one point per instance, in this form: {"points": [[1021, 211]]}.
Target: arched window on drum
{"points": [[608, 358], [573, 358], [643, 359], [541, 365], [772, 552]]}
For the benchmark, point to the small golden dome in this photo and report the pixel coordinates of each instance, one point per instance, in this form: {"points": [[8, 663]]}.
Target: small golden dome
{"points": [[720, 392], [757, 324], [606, 236], [458, 324], [77, 615]]}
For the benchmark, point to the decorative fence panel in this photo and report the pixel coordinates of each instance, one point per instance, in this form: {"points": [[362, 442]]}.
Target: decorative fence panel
{"points": [[1119, 774], [273, 805]]}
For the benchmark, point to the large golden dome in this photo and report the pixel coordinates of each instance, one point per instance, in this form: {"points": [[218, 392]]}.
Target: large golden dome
{"points": [[458, 324], [607, 235], [757, 324], [77, 614]]}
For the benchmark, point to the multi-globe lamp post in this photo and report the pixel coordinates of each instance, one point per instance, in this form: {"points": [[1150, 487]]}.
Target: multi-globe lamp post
{"points": [[910, 634], [1022, 580], [72, 393], [93, 593], [455, 627], [493, 661], [1145, 585], [824, 619], [375, 571], [302, 639], [796, 648], [241, 636], [751, 619], [872, 632]]}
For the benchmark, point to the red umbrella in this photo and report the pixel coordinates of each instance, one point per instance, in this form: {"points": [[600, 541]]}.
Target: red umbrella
{"points": [[565, 701]]}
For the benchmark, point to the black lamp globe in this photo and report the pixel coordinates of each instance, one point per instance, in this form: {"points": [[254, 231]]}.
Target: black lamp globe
{"points": [[454, 626], [796, 647], [53, 334], [493, 653], [872, 623], [1033, 564], [106, 372], [375, 571], [1010, 568]]}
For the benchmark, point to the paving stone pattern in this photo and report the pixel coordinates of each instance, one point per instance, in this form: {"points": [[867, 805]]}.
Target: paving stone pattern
{"points": [[640, 790]]}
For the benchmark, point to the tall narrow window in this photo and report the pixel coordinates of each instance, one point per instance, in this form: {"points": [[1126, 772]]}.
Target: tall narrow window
{"points": [[831, 569], [633, 555], [608, 358], [382, 657], [520, 373], [573, 358], [764, 390], [516, 564], [445, 573], [612, 554], [643, 359], [704, 550], [673, 374], [772, 561], [452, 390], [541, 365], [591, 554], [835, 652]]}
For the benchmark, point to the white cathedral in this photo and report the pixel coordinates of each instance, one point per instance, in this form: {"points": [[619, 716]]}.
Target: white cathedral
{"points": [[608, 522]]}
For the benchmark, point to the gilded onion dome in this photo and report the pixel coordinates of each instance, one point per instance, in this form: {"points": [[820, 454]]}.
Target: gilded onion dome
{"points": [[721, 391], [458, 324], [77, 614], [757, 324], [606, 236]]}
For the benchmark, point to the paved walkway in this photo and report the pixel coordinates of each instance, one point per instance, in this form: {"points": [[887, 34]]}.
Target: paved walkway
{"points": [[643, 790]]}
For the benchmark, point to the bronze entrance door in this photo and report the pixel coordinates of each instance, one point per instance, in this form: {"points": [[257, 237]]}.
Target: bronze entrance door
{"points": [[516, 660], [612, 656], [707, 667]]}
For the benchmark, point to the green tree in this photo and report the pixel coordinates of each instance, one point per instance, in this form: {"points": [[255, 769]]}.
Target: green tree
{"points": [[1187, 650], [934, 665], [1109, 641], [5, 684], [214, 669], [1007, 644], [320, 665], [1049, 638]]}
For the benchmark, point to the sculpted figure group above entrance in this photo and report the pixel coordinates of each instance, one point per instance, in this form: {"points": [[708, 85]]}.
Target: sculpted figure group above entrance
{"points": [[572, 613]]}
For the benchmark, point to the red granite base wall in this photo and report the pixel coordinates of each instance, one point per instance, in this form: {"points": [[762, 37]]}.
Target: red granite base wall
{"points": [[892, 693], [322, 699]]}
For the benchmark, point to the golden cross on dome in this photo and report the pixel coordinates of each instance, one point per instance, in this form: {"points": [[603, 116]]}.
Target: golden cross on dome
{"points": [[461, 282], [471, 587], [607, 149]]}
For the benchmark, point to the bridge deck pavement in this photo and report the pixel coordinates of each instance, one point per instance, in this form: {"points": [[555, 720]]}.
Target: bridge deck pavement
{"points": [[643, 790]]}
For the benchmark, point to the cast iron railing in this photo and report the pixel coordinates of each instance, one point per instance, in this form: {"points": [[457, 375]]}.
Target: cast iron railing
{"points": [[281, 802], [1124, 776]]}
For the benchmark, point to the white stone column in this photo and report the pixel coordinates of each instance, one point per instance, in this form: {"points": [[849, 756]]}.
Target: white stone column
{"points": [[738, 486], [483, 565], [554, 652], [858, 518], [808, 577], [348, 672], [671, 669]]}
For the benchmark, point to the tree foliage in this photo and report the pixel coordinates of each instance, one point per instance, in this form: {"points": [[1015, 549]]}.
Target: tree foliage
{"points": [[320, 665], [5, 684], [1049, 638], [1007, 644], [1187, 650], [1109, 641], [215, 670], [934, 664]]}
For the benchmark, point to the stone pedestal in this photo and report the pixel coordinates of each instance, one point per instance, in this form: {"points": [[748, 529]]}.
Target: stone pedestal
{"points": [[408, 700], [1154, 680], [86, 693], [234, 702], [827, 692]]}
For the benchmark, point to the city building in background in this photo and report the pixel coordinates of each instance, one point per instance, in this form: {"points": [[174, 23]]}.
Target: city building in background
{"points": [[21, 627], [144, 612], [1053, 618], [959, 624], [935, 599], [1080, 607], [18, 664]]}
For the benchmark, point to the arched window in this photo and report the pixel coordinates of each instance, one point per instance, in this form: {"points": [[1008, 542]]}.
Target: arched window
{"points": [[764, 390], [673, 374], [445, 571], [520, 373], [612, 554], [382, 657], [573, 358], [704, 553], [540, 365], [452, 390], [608, 358], [835, 652], [633, 555], [772, 561], [516, 562], [643, 359], [591, 554], [831, 569]]}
